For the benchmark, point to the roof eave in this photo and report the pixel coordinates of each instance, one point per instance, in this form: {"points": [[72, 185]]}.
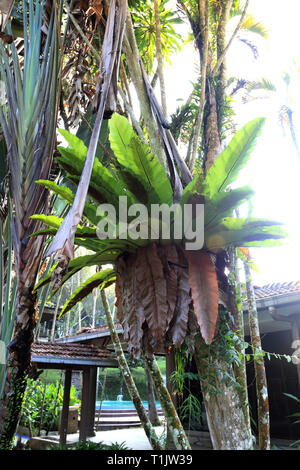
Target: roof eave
{"points": [[74, 361]]}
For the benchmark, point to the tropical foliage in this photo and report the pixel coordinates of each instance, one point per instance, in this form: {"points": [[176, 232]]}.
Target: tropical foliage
{"points": [[154, 275], [71, 68], [42, 404]]}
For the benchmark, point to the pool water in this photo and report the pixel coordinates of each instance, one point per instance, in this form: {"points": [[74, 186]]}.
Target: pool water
{"points": [[121, 405]]}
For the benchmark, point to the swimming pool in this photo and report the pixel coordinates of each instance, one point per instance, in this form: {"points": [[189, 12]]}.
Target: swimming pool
{"points": [[121, 405]]}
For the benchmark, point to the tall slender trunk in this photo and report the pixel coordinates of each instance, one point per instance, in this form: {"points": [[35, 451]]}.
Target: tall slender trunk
{"points": [[152, 410], [173, 422], [101, 398], [160, 60], [148, 428], [259, 366], [198, 122], [95, 295], [240, 369], [133, 62], [19, 365], [221, 46], [55, 316]]}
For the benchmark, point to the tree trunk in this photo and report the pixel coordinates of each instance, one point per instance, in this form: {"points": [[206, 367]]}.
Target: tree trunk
{"points": [[133, 63], [259, 367], [221, 45], [149, 431], [19, 365], [212, 142], [225, 417], [55, 316], [160, 60], [152, 411], [94, 308], [173, 422], [240, 369], [198, 122]]}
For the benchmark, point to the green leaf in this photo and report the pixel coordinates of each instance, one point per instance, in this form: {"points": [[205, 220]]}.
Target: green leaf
{"points": [[106, 276], [135, 156], [76, 145], [195, 186], [104, 186], [230, 162], [223, 204], [78, 263], [240, 232], [66, 194], [49, 220], [292, 396], [84, 133]]}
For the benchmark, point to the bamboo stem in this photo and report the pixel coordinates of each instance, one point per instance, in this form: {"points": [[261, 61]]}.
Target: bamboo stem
{"points": [[133, 391]]}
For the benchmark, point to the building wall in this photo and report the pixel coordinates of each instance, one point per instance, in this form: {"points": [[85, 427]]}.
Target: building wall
{"points": [[282, 378]]}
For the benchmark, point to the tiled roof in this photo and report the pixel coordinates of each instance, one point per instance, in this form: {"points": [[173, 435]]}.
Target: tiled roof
{"points": [[277, 288], [87, 331], [96, 330], [71, 351]]}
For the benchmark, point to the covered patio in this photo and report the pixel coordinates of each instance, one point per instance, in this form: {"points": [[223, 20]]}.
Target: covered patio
{"points": [[75, 357]]}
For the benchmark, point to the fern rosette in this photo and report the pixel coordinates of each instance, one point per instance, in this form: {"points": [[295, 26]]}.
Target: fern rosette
{"points": [[159, 283]]}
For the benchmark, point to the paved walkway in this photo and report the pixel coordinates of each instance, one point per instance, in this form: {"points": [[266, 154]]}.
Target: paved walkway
{"points": [[133, 438]]}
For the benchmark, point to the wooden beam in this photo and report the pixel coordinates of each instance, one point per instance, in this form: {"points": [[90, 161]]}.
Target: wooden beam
{"points": [[65, 409], [92, 401], [84, 412]]}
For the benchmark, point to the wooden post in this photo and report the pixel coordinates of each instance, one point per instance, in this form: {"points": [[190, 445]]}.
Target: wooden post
{"points": [[92, 401], [84, 413], [65, 409]]}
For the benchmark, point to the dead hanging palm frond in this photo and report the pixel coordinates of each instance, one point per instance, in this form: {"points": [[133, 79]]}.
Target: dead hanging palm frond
{"points": [[82, 57], [6, 7], [173, 158], [106, 92]]}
